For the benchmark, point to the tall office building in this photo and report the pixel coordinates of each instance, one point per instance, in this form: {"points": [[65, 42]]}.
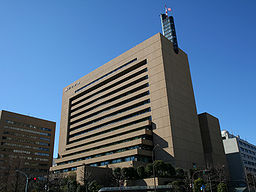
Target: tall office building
{"points": [[26, 144], [116, 114]]}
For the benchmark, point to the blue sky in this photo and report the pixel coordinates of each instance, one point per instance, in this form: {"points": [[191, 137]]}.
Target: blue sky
{"points": [[45, 45]]}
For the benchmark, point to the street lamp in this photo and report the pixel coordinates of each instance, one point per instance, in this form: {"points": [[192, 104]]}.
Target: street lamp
{"points": [[153, 166], [21, 172]]}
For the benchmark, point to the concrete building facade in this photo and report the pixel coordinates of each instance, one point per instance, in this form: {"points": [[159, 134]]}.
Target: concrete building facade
{"points": [[214, 154], [26, 144], [241, 156], [115, 115]]}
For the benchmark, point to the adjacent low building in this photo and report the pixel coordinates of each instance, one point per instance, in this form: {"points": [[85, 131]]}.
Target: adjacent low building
{"points": [[26, 144], [214, 154], [241, 157]]}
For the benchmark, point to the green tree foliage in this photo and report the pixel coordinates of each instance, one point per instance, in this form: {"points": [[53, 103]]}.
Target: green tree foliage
{"points": [[178, 186], [94, 186], [64, 183], [216, 176], [133, 173], [149, 169], [55, 183], [141, 172], [125, 173], [117, 176], [163, 169], [191, 172], [180, 173], [198, 184], [72, 185], [129, 173], [117, 173], [79, 189], [170, 170], [160, 168], [222, 187]]}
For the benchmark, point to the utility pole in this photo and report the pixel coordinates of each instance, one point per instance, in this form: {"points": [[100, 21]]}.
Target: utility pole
{"points": [[47, 185], [209, 177]]}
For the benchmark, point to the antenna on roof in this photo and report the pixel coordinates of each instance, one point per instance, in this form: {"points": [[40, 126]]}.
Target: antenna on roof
{"points": [[166, 10], [168, 29]]}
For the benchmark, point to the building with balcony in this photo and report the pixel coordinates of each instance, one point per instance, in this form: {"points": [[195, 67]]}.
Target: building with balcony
{"points": [[116, 114]]}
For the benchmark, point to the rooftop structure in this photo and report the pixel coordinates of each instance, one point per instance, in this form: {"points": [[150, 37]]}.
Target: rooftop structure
{"points": [[168, 29]]}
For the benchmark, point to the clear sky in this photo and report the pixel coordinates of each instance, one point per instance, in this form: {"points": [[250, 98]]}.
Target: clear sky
{"points": [[46, 45]]}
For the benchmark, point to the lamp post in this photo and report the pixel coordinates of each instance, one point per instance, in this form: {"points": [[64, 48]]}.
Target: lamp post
{"points": [[21, 172], [154, 175]]}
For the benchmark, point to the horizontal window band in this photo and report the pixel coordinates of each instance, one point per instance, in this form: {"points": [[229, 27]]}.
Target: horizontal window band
{"points": [[149, 137], [29, 138], [21, 124], [111, 93], [110, 100], [145, 147], [107, 88], [107, 81], [106, 75], [33, 143], [111, 107], [111, 114], [112, 136], [110, 130], [113, 121], [136, 157], [27, 130]]}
